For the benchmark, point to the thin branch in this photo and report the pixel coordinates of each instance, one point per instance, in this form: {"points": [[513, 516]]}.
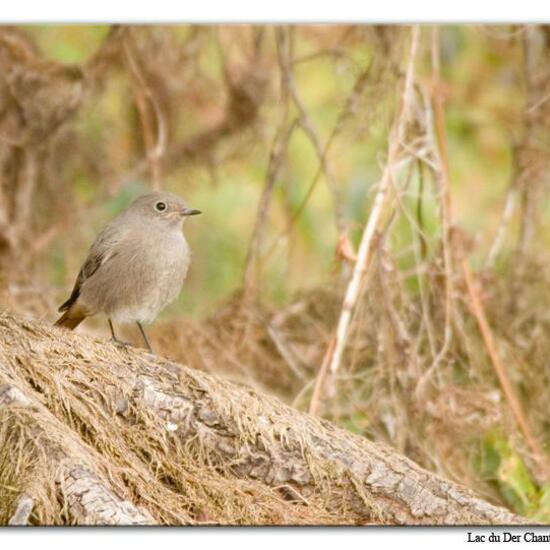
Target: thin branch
{"points": [[145, 99], [276, 160], [506, 217], [285, 61], [444, 192], [285, 351], [333, 357], [506, 385], [438, 135], [242, 109], [346, 111], [320, 382], [336, 52], [419, 212]]}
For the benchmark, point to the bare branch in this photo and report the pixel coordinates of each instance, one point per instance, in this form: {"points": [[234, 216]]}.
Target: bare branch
{"points": [[145, 99], [347, 110], [500, 371], [284, 53], [335, 351]]}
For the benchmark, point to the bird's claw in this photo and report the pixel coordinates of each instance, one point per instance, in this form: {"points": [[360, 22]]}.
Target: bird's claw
{"points": [[120, 343]]}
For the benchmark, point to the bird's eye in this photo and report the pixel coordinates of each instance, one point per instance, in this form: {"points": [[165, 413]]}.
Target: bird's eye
{"points": [[160, 206]]}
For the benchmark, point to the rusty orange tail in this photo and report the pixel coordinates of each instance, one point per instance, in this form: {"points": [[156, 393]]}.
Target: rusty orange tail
{"points": [[70, 321]]}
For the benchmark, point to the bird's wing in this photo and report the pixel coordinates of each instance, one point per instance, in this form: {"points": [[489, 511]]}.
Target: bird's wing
{"points": [[100, 252]]}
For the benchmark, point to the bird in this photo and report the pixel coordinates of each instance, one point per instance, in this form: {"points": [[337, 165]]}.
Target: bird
{"points": [[135, 267]]}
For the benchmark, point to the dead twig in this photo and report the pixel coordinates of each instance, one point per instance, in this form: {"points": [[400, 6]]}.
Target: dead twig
{"points": [[333, 357], [346, 111], [284, 46], [506, 217], [285, 352], [438, 137], [444, 192], [148, 107], [276, 161], [500, 371], [245, 96], [321, 380]]}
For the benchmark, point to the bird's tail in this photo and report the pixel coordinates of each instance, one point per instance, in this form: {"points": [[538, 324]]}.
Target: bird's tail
{"points": [[69, 320]]}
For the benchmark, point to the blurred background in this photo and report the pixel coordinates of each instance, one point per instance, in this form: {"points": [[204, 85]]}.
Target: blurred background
{"points": [[281, 136]]}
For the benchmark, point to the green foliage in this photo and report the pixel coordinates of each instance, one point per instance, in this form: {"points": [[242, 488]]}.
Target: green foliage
{"points": [[357, 422], [68, 43], [542, 513], [116, 204], [502, 465]]}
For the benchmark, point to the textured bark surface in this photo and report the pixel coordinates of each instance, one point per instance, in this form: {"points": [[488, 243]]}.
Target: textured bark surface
{"points": [[90, 501], [229, 428]]}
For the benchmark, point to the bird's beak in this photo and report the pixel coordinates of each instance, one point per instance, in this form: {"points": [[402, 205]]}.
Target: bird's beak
{"points": [[190, 212]]}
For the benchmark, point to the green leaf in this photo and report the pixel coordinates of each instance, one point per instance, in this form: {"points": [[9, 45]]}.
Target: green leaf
{"points": [[502, 464]]}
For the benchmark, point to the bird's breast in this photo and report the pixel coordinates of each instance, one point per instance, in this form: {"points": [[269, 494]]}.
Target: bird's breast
{"points": [[144, 275], [162, 265]]}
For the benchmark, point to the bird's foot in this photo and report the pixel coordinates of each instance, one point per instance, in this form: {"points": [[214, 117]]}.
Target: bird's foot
{"points": [[125, 345], [120, 343]]}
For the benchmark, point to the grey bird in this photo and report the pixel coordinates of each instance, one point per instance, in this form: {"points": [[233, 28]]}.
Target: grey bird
{"points": [[135, 267]]}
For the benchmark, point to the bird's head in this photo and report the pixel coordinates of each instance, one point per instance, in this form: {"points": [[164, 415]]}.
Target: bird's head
{"points": [[161, 206]]}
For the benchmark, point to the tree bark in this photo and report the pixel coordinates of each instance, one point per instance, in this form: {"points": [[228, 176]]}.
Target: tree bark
{"points": [[89, 500], [82, 392]]}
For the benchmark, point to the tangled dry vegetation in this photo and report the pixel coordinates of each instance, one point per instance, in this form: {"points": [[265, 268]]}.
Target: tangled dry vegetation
{"points": [[438, 348]]}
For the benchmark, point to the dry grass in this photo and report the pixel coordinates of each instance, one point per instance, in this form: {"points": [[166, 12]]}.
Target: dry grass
{"points": [[176, 479]]}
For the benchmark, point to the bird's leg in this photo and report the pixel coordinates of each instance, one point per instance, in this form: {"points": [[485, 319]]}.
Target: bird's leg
{"points": [[144, 336], [113, 335]]}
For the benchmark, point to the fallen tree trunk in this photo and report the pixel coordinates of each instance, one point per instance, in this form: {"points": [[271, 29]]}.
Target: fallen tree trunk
{"points": [[95, 434]]}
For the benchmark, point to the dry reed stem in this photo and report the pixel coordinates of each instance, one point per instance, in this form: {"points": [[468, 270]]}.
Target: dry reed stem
{"points": [[444, 192], [335, 351], [506, 385], [505, 219]]}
